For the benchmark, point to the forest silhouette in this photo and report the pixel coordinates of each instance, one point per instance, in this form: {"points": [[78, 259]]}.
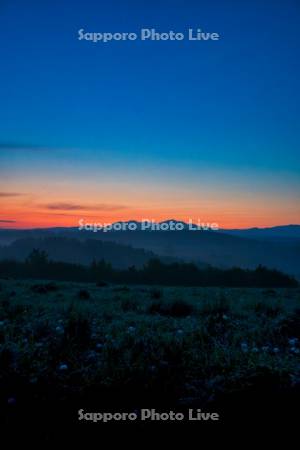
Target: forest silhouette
{"points": [[154, 272]]}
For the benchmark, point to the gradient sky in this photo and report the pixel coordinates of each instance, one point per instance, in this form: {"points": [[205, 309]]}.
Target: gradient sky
{"points": [[157, 130]]}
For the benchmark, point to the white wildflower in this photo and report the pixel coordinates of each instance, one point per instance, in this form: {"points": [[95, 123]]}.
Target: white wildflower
{"points": [[59, 330], [244, 346], [293, 341]]}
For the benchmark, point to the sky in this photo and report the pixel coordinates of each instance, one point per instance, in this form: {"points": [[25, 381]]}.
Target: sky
{"points": [[205, 130]]}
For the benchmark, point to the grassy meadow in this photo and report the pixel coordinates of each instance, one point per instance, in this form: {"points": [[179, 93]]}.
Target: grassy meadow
{"points": [[113, 347]]}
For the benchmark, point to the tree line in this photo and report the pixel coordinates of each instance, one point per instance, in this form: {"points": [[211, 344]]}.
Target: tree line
{"points": [[155, 272]]}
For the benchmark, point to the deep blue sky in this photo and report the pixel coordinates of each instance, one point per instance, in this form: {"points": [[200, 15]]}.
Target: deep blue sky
{"points": [[230, 105]]}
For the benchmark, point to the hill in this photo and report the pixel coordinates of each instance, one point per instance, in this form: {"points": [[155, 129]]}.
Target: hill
{"points": [[277, 248]]}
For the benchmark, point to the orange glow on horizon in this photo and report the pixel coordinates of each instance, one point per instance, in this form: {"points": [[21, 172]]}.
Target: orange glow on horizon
{"points": [[34, 199], [46, 209], [224, 219]]}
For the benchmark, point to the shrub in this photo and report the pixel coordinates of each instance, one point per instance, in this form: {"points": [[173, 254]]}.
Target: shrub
{"points": [[101, 284], [129, 305], [290, 326], [178, 308], [44, 288], [77, 331], [15, 311], [51, 286], [7, 358], [83, 294], [156, 294], [41, 330], [267, 309], [39, 289], [155, 308], [219, 306]]}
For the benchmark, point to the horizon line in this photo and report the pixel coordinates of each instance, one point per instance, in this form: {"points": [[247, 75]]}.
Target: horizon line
{"points": [[158, 222]]}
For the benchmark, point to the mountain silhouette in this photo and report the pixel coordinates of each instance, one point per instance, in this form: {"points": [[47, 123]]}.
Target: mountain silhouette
{"points": [[277, 247]]}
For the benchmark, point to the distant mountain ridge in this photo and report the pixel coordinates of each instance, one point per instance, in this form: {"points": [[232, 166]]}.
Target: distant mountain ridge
{"points": [[291, 230], [278, 232], [70, 250], [275, 247]]}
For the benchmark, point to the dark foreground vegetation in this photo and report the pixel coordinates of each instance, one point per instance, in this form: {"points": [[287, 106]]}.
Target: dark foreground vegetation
{"points": [[66, 346], [37, 265]]}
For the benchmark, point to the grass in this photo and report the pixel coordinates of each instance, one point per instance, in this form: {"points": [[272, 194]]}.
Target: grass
{"points": [[138, 345]]}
